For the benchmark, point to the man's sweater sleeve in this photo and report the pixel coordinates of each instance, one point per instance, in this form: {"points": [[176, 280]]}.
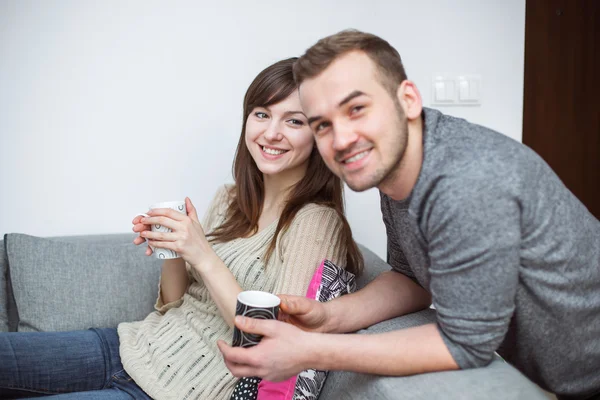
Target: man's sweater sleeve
{"points": [[473, 230]]}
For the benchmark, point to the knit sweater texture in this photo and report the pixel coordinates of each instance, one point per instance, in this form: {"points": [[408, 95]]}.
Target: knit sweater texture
{"points": [[173, 353], [510, 256]]}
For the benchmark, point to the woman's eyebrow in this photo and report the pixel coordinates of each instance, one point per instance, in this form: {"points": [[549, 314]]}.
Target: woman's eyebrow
{"points": [[293, 112]]}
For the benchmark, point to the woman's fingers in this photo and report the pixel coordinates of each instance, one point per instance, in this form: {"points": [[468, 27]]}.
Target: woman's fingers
{"points": [[191, 210], [167, 212], [160, 236], [162, 221], [140, 227], [161, 244]]}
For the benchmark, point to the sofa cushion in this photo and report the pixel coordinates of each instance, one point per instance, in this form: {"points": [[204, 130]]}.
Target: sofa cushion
{"points": [[374, 266], [75, 283], [328, 282], [3, 291]]}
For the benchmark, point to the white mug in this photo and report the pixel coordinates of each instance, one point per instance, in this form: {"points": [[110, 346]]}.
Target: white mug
{"points": [[179, 206]]}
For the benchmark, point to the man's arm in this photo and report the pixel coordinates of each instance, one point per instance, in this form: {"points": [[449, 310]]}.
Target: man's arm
{"points": [[389, 295], [403, 352], [286, 350]]}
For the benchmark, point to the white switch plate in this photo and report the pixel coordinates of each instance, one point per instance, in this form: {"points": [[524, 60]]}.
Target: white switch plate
{"points": [[469, 89], [452, 90], [444, 90]]}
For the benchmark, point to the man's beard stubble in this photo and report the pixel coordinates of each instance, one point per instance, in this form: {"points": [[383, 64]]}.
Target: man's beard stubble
{"points": [[385, 174]]}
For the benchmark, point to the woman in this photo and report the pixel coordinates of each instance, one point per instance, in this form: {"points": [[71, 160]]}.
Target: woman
{"points": [[267, 232]]}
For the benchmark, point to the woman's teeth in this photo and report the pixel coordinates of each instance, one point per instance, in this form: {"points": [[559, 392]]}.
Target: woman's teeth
{"points": [[272, 151], [357, 157]]}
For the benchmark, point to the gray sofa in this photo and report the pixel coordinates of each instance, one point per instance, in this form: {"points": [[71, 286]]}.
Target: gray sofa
{"points": [[69, 283]]}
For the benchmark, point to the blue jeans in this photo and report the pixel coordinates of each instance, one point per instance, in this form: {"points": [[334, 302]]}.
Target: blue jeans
{"points": [[68, 365]]}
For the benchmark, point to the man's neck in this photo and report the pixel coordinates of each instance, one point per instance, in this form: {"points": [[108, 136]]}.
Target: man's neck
{"points": [[400, 183]]}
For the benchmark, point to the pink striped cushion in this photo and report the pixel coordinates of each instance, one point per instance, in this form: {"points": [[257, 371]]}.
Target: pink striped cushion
{"points": [[337, 283]]}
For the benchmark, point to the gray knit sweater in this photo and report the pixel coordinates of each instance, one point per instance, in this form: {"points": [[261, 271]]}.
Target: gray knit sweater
{"points": [[510, 256]]}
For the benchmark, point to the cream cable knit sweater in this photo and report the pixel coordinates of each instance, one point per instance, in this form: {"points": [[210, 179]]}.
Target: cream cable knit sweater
{"points": [[172, 354]]}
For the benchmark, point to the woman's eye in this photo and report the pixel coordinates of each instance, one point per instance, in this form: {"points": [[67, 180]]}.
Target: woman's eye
{"points": [[296, 122], [261, 115]]}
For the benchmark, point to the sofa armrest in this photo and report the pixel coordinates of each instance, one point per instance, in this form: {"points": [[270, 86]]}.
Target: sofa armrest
{"points": [[497, 381]]}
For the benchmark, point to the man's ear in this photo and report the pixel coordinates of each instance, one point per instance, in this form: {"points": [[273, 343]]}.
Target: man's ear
{"points": [[410, 99]]}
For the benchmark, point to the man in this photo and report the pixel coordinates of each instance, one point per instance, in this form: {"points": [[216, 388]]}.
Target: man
{"points": [[477, 223]]}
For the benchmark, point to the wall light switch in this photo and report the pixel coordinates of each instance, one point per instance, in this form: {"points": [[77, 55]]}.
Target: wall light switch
{"points": [[444, 90], [463, 93], [469, 89]]}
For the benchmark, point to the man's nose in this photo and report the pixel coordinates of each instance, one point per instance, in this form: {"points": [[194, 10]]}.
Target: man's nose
{"points": [[344, 137]]}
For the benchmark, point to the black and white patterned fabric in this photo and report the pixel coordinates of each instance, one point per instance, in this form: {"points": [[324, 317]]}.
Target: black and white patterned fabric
{"points": [[246, 389], [335, 282]]}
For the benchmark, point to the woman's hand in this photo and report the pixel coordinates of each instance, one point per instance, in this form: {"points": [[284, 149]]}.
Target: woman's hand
{"points": [[139, 228], [187, 237]]}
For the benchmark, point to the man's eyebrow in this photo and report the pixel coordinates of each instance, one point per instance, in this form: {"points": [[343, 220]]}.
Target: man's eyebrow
{"points": [[346, 99], [313, 119], [352, 95]]}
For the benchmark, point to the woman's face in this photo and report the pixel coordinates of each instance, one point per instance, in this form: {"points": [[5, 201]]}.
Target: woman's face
{"points": [[279, 138]]}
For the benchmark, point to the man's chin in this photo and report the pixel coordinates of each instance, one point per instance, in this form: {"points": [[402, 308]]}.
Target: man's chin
{"points": [[359, 186]]}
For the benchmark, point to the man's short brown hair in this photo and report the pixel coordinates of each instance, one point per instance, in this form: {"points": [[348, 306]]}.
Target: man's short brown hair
{"points": [[325, 51]]}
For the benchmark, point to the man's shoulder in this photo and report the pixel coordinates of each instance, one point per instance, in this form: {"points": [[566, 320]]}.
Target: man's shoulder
{"points": [[461, 154]]}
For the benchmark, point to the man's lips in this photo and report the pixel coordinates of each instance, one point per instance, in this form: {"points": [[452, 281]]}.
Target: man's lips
{"points": [[354, 156]]}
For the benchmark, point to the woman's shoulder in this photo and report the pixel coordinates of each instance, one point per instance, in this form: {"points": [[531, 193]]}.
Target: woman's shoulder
{"points": [[223, 195], [313, 222], [226, 191], [217, 208], [315, 213]]}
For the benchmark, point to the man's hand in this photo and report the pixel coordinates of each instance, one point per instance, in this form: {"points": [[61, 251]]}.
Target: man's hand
{"points": [[281, 354], [305, 313]]}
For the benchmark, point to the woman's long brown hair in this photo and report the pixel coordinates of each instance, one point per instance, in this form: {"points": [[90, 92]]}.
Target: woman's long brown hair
{"points": [[319, 185]]}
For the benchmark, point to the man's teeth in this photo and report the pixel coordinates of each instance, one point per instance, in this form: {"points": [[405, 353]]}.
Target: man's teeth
{"points": [[357, 157], [272, 151]]}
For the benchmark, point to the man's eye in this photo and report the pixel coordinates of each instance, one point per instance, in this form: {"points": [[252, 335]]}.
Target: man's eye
{"points": [[261, 115], [296, 122], [356, 109], [321, 126]]}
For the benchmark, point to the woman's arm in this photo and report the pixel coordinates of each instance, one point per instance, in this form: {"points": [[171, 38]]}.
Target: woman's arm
{"points": [[221, 284], [188, 239], [312, 236], [174, 280]]}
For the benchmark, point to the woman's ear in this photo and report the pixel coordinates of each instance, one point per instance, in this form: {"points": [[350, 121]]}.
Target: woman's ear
{"points": [[410, 99]]}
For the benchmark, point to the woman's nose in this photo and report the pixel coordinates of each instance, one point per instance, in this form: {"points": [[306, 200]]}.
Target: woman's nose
{"points": [[273, 132]]}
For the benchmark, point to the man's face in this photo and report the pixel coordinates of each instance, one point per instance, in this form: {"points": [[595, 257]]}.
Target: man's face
{"points": [[360, 129]]}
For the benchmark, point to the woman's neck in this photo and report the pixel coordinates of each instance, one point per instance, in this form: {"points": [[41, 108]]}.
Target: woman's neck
{"points": [[277, 188]]}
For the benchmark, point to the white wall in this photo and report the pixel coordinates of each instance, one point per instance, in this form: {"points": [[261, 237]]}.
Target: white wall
{"points": [[106, 107]]}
